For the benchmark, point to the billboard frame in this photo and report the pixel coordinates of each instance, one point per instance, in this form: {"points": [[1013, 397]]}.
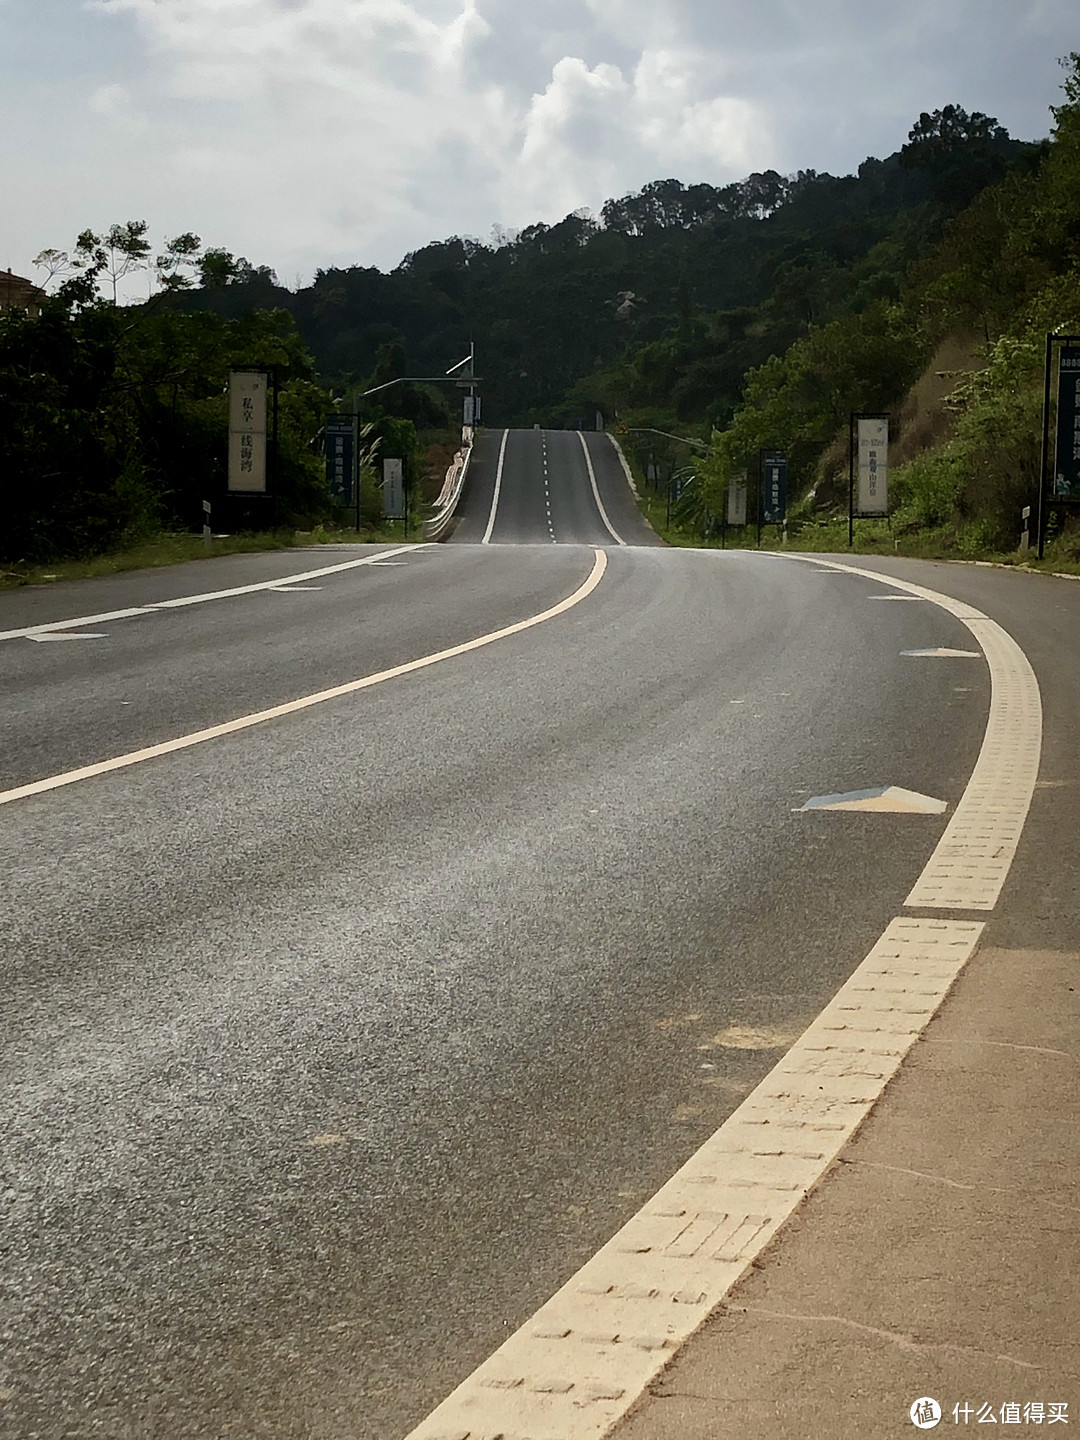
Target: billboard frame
{"points": [[1051, 403]]}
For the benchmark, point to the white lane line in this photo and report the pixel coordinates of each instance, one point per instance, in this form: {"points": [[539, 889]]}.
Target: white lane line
{"points": [[585, 1358], [498, 486], [596, 494], [625, 465], [184, 600], [291, 707], [291, 589]]}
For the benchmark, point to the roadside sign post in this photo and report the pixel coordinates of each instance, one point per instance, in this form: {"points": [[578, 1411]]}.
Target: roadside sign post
{"points": [[248, 393], [868, 462], [339, 433], [1025, 534], [735, 510], [393, 489], [206, 535], [772, 504], [1059, 484]]}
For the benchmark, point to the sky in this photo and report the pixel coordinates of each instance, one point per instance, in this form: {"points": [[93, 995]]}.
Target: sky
{"points": [[304, 134]]}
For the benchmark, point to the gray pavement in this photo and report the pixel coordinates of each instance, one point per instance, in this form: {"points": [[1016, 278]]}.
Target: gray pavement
{"points": [[939, 1256], [332, 1048]]}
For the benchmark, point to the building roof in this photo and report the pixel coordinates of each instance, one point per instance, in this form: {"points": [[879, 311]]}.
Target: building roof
{"points": [[17, 290]]}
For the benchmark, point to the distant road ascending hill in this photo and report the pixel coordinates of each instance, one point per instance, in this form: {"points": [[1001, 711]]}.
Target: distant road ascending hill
{"points": [[545, 487]]}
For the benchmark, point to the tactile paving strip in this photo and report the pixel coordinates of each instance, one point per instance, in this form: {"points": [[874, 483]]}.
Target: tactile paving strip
{"points": [[972, 859], [586, 1356]]}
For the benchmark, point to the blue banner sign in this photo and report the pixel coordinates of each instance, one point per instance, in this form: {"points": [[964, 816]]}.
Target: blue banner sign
{"points": [[341, 457], [773, 487], [1066, 484]]}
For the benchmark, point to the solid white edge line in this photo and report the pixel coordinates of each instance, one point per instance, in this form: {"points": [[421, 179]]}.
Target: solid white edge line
{"points": [[971, 861], [291, 707], [498, 486], [586, 1357], [596, 493], [625, 465], [183, 600]]}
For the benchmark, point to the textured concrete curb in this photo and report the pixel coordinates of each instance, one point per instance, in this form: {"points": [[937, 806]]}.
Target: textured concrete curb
{"points": [[586, 1356]]}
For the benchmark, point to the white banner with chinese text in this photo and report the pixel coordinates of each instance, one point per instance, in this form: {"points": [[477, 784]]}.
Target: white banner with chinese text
{"points": [[247, 430], [873, 465]]}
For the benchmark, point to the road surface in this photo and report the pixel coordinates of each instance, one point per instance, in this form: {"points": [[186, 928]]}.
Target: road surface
{"points": [[335, 1042]]}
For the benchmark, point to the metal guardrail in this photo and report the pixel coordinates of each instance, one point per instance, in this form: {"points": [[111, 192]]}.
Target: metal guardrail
{"points": [[437, 525]]}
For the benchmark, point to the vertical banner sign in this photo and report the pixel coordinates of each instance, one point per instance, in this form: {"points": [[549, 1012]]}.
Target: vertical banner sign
{"points": [[1066, 484], [393, 490], [773, 487], [340, 433], [873, 450], [736, 500], [247, 430]]}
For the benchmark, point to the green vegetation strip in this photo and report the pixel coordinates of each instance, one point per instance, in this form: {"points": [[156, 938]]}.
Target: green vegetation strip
{"points": [[178, 549]]}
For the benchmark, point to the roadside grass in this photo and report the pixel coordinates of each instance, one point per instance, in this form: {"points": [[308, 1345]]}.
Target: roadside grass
{"points": [[871, 537], [175, 549]]}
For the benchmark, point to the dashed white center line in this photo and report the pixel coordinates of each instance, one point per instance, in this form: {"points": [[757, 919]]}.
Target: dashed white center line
{"points": [[547, 490]]}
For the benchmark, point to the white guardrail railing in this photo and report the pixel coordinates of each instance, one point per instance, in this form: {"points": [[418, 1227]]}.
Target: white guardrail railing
{"points": [[438, 523]]}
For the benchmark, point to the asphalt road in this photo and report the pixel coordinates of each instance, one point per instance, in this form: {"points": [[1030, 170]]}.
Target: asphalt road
{"points": [[334, 1045], [545, 494]]}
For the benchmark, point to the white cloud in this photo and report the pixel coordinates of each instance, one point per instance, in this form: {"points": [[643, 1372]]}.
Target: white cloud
{"points": [[110, 100], [623, 132], [312, 132]]}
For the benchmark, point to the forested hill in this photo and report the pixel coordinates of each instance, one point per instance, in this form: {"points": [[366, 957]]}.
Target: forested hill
{"points": [[666, 299], [758, 314]]}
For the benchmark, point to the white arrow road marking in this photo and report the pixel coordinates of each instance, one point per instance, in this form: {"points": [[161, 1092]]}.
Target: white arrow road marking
{"points": [[886, 799], [943, 653], [65, 635]]}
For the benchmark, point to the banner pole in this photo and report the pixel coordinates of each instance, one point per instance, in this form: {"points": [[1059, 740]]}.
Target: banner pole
{"points": [[760, 492], [1043, 467], [356, 465], [851, 481]]}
